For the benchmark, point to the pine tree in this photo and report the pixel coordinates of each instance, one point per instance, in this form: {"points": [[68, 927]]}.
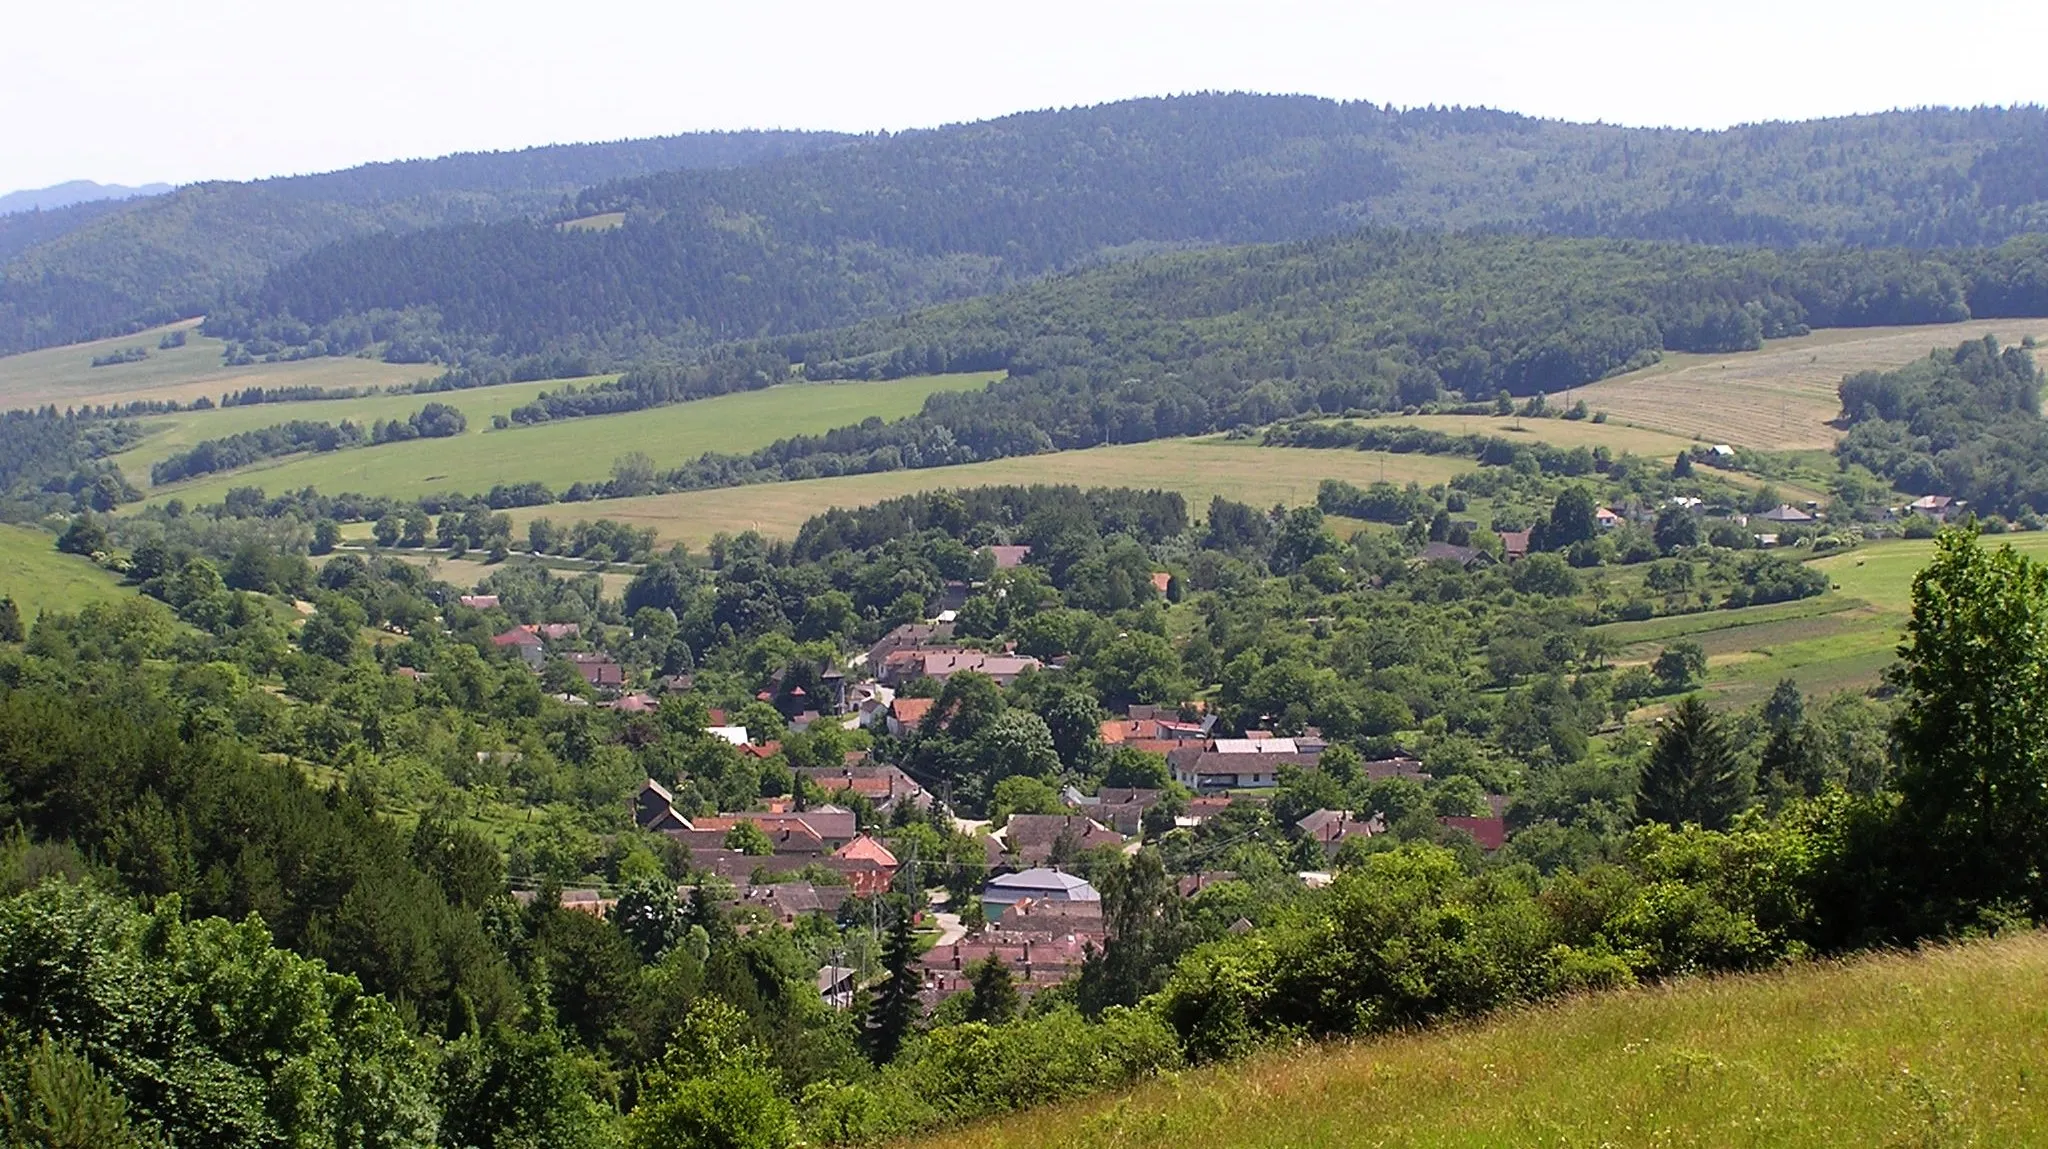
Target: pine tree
{"points": [[10, 621], [995, 992], [897, 1006], [1692, 774]]}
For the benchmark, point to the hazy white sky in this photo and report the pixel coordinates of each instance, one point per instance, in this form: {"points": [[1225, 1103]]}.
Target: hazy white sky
{"points": [[131, 91]]}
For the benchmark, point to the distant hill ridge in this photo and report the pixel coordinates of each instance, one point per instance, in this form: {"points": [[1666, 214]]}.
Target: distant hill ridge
{"points": [[101, 268], [889, 223], [72, 192]]}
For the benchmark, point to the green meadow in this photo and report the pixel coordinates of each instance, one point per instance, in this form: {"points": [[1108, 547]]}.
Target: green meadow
{"points": [[1940, 1048], [567, 451], [39, 577]]}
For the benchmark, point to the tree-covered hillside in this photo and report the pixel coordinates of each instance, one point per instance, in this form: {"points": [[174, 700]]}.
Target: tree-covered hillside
{"points": [[829, 237], [99, 269]]}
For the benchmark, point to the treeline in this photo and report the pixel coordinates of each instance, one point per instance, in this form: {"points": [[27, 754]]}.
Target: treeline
{"points": [[899, 222], [990, 514], [433, 421], [1964, 423], [53, 461]]}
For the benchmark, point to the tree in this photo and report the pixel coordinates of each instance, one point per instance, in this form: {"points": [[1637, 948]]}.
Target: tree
{"points": [[995, 992], [1677, 527], [1571, 519], [748, 838], [897, 1006], [1680, 665], [85, 536], [1141, 910], [326, 534], [1973, 767], [716, 1089], [11, 629], [1681, 468], [1692, 775], [1021, 794]]}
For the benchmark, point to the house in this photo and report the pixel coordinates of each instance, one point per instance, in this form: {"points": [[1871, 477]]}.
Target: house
{"points": [[1465, 557], [654, 808], [836, 985], [907, 714], [786, 902], [1722, 451], [871, 867], [1009, 558], [1042, 884], [1006, 669], [1329, 828], [1606, 518], [479, 601], [1141, 731], [763, 752], [1255, 742], [557, 631], [1034, 838], [1161, 580], [1192, 884], [1936, 507], [634, 704], [1514, 545], [1377, 769], [1786, 513], [909, 636], [737, 735], [1120, 808], [1490, 832], [526, 642], [1766, 540], [1210, 771], [599, 671], [882, 785]]}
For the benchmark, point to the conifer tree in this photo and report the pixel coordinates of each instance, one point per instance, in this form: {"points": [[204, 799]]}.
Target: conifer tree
{"points": [[995, 992], [897, 1006], [10, 621], [1692, 775]]}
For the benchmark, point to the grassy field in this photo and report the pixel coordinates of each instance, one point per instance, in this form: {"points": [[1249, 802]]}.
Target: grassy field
{"points": [[170, 434], [38, 577], [1943, 1048], [564, 452], [603, 221], [1198, 468], [65, 375], [1841, 640], [1783, 396]]}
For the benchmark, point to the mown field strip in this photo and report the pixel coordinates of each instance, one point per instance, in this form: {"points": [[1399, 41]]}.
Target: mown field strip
{"points": [[1198, 468]]}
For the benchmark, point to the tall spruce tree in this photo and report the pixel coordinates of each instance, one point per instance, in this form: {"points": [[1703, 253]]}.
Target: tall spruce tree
{"points": [[10, 621], [995, 992], [896, 1007], [1692, 774]]}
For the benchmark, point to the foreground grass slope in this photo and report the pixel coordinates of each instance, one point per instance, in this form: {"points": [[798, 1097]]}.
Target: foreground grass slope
{"points": [[1941, 1048]]}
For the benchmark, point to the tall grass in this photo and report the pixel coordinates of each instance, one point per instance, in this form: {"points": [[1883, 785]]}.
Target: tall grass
{"points": [[1947, 1047]]}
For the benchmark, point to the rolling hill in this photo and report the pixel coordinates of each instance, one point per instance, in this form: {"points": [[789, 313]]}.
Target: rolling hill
{"points": [[1937, 1048], [100, 269], [72, 192], [887, 223]]}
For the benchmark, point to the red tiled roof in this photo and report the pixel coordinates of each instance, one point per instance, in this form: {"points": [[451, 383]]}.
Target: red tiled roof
{"points": [[1490, 833], [911, 711]]}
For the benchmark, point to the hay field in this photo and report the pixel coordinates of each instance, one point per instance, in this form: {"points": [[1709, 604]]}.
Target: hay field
{"points": [[564, 452], [39, 577], [1939, 1048], [1198, 468], [1783, 396], [65, 375]]}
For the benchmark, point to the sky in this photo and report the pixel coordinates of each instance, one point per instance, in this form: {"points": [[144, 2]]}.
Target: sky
{"points": [[134, 91]]}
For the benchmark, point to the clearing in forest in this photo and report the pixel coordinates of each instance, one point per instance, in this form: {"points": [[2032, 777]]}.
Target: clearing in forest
{"points": [[1942, 1047], [1780, 398]]}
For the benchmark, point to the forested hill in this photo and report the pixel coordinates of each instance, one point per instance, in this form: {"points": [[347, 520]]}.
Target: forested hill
{"points": [[97, 269], [833, 236]]}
